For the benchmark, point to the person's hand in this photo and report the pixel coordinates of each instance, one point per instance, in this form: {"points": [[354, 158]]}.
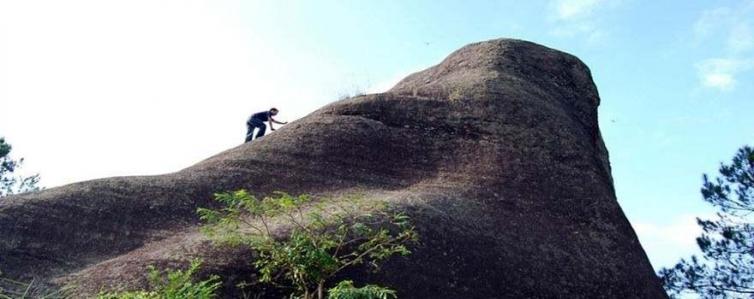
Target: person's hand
{"points": [[285, 123], [272, 129]]}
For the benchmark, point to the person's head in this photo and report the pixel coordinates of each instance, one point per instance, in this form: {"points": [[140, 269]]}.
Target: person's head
{"points": [[274, 111]]}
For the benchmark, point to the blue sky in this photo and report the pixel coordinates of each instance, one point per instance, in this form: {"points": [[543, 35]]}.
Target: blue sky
{"points": [[100, 88]]}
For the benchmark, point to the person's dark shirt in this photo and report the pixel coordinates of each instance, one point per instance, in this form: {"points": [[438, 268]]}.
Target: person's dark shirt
{"points": [[262, 116]]}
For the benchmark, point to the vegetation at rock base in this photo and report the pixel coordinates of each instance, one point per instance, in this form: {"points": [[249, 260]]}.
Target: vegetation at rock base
{"points": [[11, 289], [302, 244], [10, 183], [346, 290], [726, 269], [173, 284]]}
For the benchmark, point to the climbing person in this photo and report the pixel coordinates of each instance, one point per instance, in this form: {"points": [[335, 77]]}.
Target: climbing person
{"points": [[257, 121]]}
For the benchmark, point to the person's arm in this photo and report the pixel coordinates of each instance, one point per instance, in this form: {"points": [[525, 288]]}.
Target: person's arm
{"points": [[271, 127], [278, 122]]}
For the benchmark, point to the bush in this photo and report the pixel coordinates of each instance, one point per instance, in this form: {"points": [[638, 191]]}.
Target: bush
{"points": [[177, 284], [324, 238], [346, 290]]}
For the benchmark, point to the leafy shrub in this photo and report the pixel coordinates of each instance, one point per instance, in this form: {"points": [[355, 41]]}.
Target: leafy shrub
{"points": [[324, 238], [346, 290], [177, 284]]}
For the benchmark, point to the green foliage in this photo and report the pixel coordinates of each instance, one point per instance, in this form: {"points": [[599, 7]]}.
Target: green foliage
{"points": [[176, 284], [346, 290], [9, 183], [726, 269], [323, 238]]}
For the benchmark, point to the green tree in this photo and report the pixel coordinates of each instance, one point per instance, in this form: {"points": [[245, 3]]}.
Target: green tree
{"points": [[304, 244], [726, 269], [10, 183]]}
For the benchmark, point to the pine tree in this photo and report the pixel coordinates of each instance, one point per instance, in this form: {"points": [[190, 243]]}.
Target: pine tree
{"points": [[726, 268], [10, 183]]}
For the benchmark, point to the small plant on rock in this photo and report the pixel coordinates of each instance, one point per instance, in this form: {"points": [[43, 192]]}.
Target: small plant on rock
{"points": [[305, 243], [346, 290], [11, 289], [175, 284]]}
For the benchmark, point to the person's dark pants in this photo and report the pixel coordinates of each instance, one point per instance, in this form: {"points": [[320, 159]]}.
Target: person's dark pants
{"points": [[254, 123]]}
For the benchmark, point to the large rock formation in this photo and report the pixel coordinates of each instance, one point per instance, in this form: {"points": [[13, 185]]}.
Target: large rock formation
{"points": [[495, 152]]}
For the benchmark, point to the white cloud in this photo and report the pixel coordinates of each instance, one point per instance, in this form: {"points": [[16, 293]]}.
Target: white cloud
{"points": [[711, 21], [667, 242], [730, 28], [586, 29], [720, 81], [719, 73], [570, 9], [741, 37], [733, 25], [580, 19]]}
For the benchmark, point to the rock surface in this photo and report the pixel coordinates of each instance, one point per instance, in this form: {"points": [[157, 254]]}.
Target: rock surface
{"points": [[495, 152]]}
